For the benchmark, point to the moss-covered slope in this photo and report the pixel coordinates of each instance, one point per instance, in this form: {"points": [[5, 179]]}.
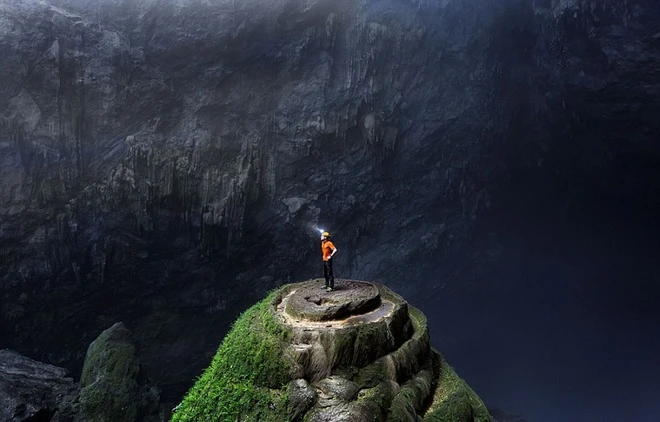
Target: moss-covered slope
{"points": [[246, 377], [375, 364]]}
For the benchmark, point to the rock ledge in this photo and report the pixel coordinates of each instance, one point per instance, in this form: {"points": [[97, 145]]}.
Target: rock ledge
{"points": [[313, 303]]}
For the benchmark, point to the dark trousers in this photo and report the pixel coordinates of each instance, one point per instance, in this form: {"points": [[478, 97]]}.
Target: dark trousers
{"points": [[327, 272]]}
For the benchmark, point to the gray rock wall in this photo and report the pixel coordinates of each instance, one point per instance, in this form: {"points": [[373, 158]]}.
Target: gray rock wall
{"points": [[31, 390], [165, 162]]}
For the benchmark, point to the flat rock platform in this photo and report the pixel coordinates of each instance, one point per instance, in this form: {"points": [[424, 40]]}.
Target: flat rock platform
{"points": [[311, 302]]}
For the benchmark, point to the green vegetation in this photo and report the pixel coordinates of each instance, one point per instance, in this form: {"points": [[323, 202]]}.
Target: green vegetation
{"points": [[380, 397], [418, 319], [409, 402], [109, 376], [246, 378], [249, 378], [454, 400]]}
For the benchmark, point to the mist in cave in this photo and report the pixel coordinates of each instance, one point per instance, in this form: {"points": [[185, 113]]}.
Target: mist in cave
{"points": [[166, 163], [564, 326]]}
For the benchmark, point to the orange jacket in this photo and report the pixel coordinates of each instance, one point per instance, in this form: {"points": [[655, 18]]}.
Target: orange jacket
{"points": [[327, 247]]}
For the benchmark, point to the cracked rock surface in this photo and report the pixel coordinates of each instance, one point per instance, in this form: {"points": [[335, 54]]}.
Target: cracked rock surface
{"points": [[349, 298], [31, 390]]}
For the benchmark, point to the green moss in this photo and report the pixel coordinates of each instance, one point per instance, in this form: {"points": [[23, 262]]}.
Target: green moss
{"points": [[108, 378], [381, 395], [246, 379], [342, 350], [418, 319], [371, 343], [454, 400], [411, 398], [102, 402], [479, 410], [371, 375], [118, 363]]}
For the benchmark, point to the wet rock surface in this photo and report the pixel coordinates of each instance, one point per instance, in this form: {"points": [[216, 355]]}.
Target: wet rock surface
{"points": [[349, 298], [31, 390], [368, 364], [301, 397], [322, 344]]}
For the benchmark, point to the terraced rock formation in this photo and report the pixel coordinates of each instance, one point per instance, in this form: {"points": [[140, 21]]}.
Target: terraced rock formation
{"points": [[359, 353]]}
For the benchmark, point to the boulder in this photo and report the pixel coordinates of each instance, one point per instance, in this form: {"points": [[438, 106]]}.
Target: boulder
{"points": [[301, 397], [114, 386]]}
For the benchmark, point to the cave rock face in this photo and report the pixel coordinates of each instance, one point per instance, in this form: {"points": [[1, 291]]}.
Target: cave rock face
{"points": [[370, 363], [31, 390], [159, 156]]}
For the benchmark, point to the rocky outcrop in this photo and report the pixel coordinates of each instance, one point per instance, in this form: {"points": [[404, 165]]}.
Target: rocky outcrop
{"points": [[373, 363], [153, 153], [114, 385], [31, 390]]}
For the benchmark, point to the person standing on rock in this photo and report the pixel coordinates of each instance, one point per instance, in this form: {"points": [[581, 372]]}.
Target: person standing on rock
{"points": [[329, 250]]}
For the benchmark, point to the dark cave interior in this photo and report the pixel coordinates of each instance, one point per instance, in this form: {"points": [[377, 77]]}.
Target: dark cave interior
{"points": [[564, 323], [193, 152]]}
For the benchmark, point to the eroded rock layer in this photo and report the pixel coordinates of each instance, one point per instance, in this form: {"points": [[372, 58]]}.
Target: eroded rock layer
{"points": [[31, 390], [366, 363]]}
